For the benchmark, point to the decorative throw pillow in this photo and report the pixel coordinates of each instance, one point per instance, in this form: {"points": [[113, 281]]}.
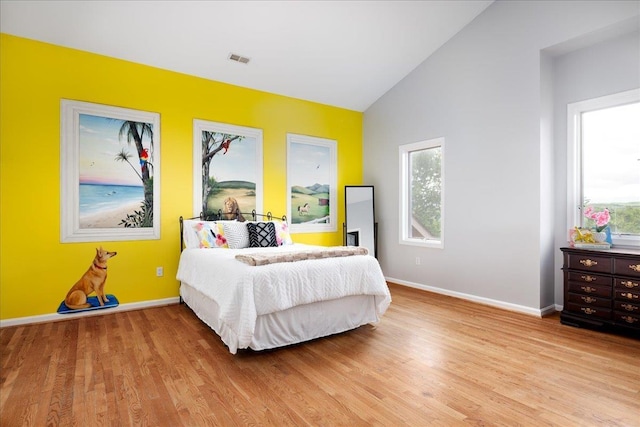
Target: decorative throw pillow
{"points": [[210, 235], [237, 234], [262, 234], [283, 237]]}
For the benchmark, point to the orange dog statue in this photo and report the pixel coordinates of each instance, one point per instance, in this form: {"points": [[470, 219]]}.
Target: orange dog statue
{"points": [[91, 281]]}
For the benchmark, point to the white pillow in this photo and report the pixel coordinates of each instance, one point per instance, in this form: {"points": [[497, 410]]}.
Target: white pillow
{"points": [[237, 234], [189, 235]]}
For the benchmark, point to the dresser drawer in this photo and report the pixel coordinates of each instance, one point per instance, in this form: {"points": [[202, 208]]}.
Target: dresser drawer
{"points": [[602, 313], [627, 284], [627, 296], [592, 279], [627, 319], [589, 289], [627, 306], [589, 300], [627, 267], [589, 262]]}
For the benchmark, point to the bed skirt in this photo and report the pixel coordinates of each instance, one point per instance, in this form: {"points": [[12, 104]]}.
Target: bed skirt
{"points": [[291, 326]]}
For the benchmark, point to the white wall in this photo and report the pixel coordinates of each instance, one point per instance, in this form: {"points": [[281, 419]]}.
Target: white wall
{"points": [[482, 92], [605, 68]]}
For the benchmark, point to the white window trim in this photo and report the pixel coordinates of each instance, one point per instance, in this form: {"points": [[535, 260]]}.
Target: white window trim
{"points": [[404, 151], [574, 155]]}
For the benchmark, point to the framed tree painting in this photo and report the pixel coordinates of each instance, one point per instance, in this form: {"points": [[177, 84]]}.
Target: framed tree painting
{"points": [[110, 173], [227, 169], [311, 184]]}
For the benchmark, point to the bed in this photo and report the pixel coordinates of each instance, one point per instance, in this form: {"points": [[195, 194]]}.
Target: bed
{"points": [[257, 289]]}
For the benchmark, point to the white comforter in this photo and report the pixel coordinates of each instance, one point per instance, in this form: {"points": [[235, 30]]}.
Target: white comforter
{"points": [[244, 292]]}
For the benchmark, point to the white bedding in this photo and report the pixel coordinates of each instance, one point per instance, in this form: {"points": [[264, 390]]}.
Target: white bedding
{"points": [[245, 292]]}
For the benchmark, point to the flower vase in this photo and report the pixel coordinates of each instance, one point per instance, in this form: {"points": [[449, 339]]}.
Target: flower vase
{"points": [[602, 236], [599, 236]]}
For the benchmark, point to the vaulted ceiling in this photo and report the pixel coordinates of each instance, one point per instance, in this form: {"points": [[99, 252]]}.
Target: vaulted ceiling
{"points": [[340, 53]]}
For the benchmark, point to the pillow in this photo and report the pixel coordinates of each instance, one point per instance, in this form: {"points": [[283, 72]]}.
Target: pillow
{"points": [[262, 234], [189, 236], [210, 234], [282, 233], [237, 234]]}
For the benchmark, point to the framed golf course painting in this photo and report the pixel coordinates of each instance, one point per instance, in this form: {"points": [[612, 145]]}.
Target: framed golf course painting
{"points": [[110, 173], [227, 169], [311, 184]]}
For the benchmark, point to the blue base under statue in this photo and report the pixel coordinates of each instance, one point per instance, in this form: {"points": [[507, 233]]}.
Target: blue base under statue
{"points": [[95, 305]]}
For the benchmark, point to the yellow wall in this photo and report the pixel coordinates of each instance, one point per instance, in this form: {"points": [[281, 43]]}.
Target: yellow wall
{"points": [[36, 269]]}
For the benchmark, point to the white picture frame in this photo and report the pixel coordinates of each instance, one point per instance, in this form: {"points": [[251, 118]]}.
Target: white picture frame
{"points": [[103, 150], [240, 163], [311, 184]]}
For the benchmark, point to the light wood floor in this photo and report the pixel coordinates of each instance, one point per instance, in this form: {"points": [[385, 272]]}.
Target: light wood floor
{"points": [[433, 360]]}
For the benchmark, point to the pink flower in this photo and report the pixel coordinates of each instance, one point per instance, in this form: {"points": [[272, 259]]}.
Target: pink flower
{"points": [[601, 218]]}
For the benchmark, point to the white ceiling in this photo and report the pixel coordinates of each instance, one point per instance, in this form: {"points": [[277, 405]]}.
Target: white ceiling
{"points": [[340, 53]]}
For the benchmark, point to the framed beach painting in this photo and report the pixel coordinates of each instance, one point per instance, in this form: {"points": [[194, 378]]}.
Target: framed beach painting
{"points": [[311, 184], [110, 173], [227, 169]]}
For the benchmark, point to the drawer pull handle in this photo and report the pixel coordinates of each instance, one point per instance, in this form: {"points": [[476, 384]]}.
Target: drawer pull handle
{"points": [[629, 319], [629, 284], [629, 307], [635, 267], [591, 263], [588, 289], [629, 295], [589, 278], [588, 310], [588, 300]]}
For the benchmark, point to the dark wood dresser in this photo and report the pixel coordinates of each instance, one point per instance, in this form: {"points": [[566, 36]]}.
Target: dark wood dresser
{"points": [[602, 289]]}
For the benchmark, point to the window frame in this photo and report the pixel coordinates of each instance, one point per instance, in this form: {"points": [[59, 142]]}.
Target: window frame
{"points": [[404, 151], [575, 195]]}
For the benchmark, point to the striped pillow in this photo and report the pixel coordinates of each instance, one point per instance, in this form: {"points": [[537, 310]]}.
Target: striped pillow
{"points": [[237, 234]]}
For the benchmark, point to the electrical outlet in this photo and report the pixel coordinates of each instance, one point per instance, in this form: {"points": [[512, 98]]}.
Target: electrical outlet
{"points": [[417, 260], [159, 271]]}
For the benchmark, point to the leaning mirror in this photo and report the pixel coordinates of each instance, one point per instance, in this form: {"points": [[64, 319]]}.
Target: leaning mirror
{"points": [[360, 224]]}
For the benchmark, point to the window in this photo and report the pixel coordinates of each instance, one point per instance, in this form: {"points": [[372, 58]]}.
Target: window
{"points": [[421, 193], [604, 163]]}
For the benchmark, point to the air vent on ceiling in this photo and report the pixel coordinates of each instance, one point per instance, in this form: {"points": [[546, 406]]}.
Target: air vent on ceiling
{"points": [[238, 58]]}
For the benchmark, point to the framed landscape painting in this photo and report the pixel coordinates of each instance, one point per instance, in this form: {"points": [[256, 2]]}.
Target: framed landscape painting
{"points": [[110, 173], [311, 184], [227, 169]]}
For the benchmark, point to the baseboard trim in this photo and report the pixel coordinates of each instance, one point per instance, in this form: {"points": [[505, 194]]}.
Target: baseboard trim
{"points": [[550, 309], [175, 300], [474, 298], [58, 317]]}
